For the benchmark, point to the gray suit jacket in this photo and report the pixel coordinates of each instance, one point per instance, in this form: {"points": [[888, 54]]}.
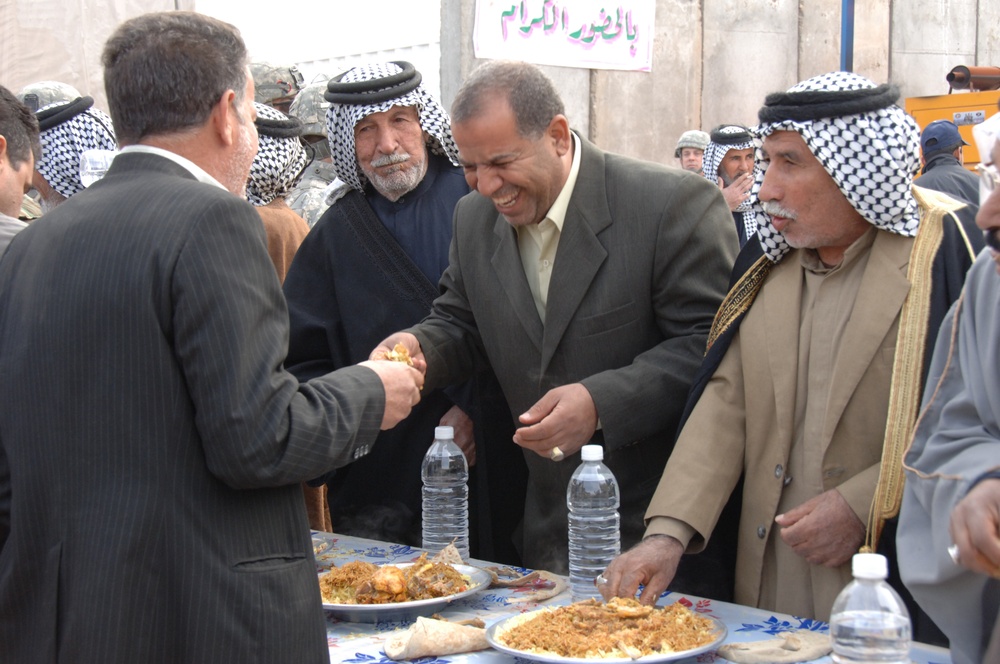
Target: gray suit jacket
{"points": [[642, 265], [151, 445]]}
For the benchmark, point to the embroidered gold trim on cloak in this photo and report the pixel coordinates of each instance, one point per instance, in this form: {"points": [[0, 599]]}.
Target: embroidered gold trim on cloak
{"points": [[739, 298], [907, 368]]}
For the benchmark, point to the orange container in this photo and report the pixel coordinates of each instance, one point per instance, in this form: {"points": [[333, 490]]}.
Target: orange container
{"points": [[965, 109]]}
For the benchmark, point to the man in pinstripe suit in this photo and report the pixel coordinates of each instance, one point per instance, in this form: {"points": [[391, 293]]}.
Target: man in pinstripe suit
{"points": [[151, 444]]}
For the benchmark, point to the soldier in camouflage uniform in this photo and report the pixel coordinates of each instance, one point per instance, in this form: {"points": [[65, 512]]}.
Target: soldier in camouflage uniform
{"points": [[275, 85], [309, 198]]}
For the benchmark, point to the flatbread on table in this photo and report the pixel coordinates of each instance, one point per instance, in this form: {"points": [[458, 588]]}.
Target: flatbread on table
{"points": [[536, 586], [788, 647], [448, 555], [434, 638]]}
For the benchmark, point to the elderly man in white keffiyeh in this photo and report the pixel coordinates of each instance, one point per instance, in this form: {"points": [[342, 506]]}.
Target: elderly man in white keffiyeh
{"points": [[74, 136], [729, 162], [812, 379], [369, 267]]}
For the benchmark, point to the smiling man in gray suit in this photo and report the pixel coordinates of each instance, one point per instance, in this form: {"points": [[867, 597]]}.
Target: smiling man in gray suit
{"points": [[587, 280], [151, 445]]}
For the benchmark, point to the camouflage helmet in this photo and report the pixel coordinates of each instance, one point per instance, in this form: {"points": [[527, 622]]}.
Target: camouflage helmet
{"points": [[693, 138], [45, 93], [275, 85], [310, 107]]}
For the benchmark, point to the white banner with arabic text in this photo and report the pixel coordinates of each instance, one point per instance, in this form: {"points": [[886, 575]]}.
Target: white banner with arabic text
{"points": [[593, 34]]}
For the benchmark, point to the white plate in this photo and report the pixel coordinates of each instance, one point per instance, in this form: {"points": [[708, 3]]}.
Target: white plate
{"points": [[719, 631], [401, 611]]}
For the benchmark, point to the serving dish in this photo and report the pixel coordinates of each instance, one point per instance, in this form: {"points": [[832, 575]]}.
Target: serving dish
{"points": [[718, 632], [409, 611]]}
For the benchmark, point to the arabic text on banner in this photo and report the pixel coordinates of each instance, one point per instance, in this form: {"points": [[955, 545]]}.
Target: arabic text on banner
{"points": [[593, 34]]}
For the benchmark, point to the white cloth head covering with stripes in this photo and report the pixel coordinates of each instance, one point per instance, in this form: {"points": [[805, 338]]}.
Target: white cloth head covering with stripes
{"points": [[872, 151]]}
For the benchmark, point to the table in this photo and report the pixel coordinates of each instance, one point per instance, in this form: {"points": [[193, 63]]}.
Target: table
{"points": [[359, 643]]}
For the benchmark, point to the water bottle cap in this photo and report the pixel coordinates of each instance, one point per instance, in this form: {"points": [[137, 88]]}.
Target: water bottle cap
{"points": [[444, 433], [592, 453], [869, 566]]}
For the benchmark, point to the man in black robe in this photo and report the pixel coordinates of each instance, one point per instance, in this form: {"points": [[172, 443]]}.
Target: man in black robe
{"points": [[370, 266]]}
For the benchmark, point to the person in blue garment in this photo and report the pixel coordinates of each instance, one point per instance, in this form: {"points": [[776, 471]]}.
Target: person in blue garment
{"points": [[370, 266]]}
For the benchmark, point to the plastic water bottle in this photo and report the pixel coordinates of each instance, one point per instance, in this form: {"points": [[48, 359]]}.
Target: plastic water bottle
{"points": [[869, 622], [594, 538], [445, 474]]}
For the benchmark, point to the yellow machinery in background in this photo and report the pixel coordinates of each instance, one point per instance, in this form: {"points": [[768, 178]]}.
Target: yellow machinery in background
{"points": [[965, 109]]}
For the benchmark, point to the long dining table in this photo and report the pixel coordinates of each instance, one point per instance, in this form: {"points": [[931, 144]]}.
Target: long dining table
{"points": [[363, 642]]}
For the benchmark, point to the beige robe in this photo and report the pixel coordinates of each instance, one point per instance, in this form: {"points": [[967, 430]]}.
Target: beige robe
{"points": [[745, 422]]}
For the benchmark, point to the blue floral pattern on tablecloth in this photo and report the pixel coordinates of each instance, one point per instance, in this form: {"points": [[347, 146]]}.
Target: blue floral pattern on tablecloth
{"points": [[775, 625]]}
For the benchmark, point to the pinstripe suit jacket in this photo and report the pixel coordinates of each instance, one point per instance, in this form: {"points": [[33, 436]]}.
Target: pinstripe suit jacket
{"points": [[151, 444], [642, 265]]}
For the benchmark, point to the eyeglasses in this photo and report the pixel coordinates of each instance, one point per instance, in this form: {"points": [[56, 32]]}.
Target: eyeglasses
{"points": [[988, 175]]}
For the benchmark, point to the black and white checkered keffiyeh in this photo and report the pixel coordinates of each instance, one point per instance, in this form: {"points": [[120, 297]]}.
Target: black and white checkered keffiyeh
{"points": [[280, 160], [716, 152], [341, 119], [872, 151], [64, 144]]}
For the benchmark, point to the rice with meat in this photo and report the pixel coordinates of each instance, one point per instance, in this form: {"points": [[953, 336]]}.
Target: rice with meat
{"points": [[622, 628], [360, 582]]}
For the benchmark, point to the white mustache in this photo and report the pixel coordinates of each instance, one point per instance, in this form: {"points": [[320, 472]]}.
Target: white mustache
{"points": [[775, 210], [389, 160]]}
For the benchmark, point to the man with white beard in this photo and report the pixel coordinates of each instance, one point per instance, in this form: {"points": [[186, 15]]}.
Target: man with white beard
{"points": [[369, 267]]}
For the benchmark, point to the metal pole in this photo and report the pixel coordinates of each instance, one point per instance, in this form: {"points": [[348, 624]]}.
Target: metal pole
{"points": [[847, 35]]}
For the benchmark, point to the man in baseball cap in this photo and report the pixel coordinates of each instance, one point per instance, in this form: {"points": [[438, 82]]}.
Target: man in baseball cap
{"points": [[943, 170]]}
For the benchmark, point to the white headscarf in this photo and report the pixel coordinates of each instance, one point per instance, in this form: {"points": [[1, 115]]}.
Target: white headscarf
{"points": [[868, 145], [716, 151], [342, 117], [64, 144], [280, 161]]}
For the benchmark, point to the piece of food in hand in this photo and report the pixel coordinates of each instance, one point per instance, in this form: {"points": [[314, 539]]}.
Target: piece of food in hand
{"points": [[434, 638], [399, 353]]}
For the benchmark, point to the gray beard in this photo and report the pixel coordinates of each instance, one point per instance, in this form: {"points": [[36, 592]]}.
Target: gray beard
{"points": [[399, 183]]}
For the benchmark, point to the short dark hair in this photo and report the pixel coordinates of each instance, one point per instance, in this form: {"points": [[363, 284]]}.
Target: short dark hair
{"points": [[531, 95], [163, 72], [948, 149], [19, 126]]}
